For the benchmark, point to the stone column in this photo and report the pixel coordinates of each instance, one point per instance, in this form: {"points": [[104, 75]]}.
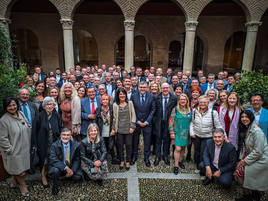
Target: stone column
{"points": [[129, 43], [67, 26], [190, 27], [249, 51]]}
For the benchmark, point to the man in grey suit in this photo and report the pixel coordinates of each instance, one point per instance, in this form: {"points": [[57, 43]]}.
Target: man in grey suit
{"points": [[28, 108]]}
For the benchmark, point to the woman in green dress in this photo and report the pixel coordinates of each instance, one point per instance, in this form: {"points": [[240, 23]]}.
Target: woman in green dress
{"points": [[179, 125]]}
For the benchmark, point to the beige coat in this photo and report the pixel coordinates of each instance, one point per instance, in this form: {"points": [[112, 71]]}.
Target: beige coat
{"points": [[76, 113], [256, 170], [15, 142], [132, 115]]}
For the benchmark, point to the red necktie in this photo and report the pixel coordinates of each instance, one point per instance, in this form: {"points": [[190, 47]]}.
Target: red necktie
{"points": [[93, 106]]}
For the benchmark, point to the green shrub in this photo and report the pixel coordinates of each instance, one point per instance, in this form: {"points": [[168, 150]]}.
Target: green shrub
{"points": [[250, 83]]}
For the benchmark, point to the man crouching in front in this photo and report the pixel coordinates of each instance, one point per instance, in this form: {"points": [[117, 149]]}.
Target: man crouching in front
{"points": [[64, 160], [219, 160]]}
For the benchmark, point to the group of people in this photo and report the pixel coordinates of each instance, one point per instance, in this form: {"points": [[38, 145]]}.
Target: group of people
{"points": [[78, 120]]}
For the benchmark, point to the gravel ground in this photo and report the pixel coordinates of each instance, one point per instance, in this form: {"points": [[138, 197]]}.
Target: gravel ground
{"points": [[112, 189], [186, 190]]}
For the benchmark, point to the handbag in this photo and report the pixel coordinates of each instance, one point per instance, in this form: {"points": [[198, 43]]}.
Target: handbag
{"points": [[34, 158]]}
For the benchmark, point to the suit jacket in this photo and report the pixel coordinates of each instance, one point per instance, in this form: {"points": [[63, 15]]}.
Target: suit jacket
{"points": [[204, 87], [43, 76], [33, 110], [159, 120], [263, 121], [113, 86], [56, 156], [60, 83], [144, 113], [227, 157], [85, 111]]}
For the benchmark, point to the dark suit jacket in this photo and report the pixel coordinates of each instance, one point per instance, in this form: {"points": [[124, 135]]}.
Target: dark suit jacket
{"points": [[113, 86], [227, 158], [99, 119], [159, 120], [43, 76], [85, 111], [33, 110], [56, 156], [144, 112], [40, 132]]}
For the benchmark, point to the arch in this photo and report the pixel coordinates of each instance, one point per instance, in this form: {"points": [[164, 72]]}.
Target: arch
{"points": [[142, 51], [233, 51], [26, 48], [85, 48]]}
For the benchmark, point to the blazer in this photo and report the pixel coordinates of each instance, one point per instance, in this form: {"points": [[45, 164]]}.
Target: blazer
{"points": [[227, 157], [204, 87], [85, 111], [144, 113], [158, 116], [40, 131], [33, 110], [263, 121], [56, 156], [132, 116], [113, 86]]}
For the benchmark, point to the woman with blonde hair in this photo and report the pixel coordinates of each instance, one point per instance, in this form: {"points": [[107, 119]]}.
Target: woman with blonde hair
{"points": [[179, 125], [93, 155], [229, 113], [154, 88], [70, 106]]}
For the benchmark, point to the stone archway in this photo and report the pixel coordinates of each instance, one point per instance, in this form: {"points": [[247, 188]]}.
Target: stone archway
{"points": [[233, 51], [85, 48]]}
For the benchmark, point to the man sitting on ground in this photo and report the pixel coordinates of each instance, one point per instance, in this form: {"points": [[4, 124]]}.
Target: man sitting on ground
{"points": [[219, 160]]}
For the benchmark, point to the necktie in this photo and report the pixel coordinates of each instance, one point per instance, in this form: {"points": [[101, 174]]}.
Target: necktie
{"points": [[92, 106], [67, 157], [25, 112], [143, 99], [165, 106]]}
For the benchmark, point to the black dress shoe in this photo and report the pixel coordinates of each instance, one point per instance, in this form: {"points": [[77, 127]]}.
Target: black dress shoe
{"points": [[176, 170], [45, 186], [207, 181], [133, 161], [181, 165], [99, 182], [121, 167], [147, 163], [55, 190], [166, 160], [156, 161]]}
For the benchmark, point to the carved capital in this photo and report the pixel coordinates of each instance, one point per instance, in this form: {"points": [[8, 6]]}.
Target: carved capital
{"points": [[67, 24], [253, 26], [191, 26], [5, 21], [129, 25]]}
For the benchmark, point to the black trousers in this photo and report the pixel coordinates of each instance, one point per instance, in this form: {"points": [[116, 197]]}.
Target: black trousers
{"points": [[199, 147], [147, 135], [121, 140], [162, 140], [55, 173], [225, 179]]}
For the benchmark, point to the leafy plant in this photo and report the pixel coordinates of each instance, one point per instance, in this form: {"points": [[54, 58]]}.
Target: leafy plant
{"points": [[251, 83]]}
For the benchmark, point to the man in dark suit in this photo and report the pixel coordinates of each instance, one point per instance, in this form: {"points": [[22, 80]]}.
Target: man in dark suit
{"points": [[165, 102], [110, 86], [219, 160], [144, 104], [64, 79], [64, 160], [38, 70], [28, 108], [132, 72], [139, 75], [184, 82], [88, 108]]}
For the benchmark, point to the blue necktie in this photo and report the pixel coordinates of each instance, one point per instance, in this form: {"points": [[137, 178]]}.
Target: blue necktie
{"points": [[25, 112]]}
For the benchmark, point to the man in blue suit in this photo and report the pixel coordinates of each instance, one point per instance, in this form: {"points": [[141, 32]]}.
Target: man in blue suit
{"points": [[260, 113], [210, 84], [38, 71], [144, 104], [110, 86], [219, 160], [88, 108]]}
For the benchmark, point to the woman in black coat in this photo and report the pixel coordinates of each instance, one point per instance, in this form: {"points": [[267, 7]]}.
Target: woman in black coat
{"points": [[46, 130], [104, 120]]}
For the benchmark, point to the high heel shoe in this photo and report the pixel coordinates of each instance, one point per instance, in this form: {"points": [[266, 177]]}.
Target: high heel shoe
{"points": [[45, 185], [24, 194], [127, 166], [121, 167]]}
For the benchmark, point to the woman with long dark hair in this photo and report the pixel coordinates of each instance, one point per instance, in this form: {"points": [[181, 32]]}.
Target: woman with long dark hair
{"points": [[123, 109], [252, 169]]}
